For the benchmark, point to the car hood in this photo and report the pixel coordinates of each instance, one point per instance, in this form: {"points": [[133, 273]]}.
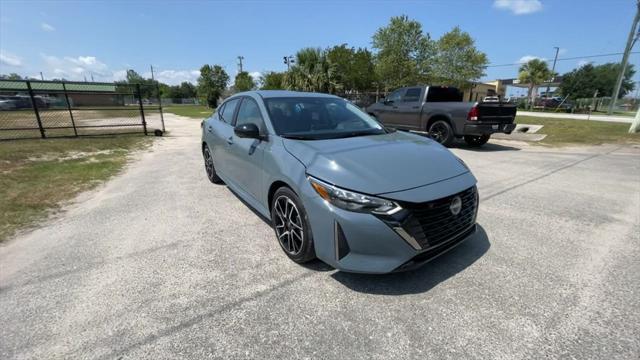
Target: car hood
{"points": [[377, 164]]}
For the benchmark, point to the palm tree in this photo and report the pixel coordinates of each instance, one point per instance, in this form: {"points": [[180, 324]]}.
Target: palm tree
{"points": [[534, 72], [311, 72]]}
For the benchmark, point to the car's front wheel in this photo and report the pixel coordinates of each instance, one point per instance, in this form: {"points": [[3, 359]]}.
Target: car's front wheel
{"points": [[476, 141], [209, 167], [291, 225]]}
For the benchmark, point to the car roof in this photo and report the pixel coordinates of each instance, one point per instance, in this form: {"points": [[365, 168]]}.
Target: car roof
{"points": [[283, 93]]}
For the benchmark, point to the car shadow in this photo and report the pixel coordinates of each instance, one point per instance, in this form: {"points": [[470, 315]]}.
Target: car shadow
{"points": [[488, 147], [424, 278]]}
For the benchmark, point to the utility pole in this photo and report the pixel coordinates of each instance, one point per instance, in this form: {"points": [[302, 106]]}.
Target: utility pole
{"points": [[152, 77], [553, 69], [625, 59], [240, 58]]}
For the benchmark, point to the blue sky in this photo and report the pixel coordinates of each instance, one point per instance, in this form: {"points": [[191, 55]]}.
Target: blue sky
{"points": [[73, 39]]}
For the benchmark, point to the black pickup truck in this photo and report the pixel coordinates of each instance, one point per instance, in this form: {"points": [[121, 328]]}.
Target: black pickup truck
{"points": [[441, 112]]}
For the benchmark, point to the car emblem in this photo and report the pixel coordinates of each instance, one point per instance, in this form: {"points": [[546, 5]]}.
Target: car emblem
{"points": [[456, 205]]}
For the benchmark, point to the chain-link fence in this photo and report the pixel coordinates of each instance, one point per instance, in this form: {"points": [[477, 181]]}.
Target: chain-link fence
{"points": [[44, 109]]}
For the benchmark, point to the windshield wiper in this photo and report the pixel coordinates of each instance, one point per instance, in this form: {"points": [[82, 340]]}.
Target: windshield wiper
{"points": [[297, 137], [360, 133]]}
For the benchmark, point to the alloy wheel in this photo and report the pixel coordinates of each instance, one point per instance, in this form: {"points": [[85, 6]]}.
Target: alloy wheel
{"points": [[208, 163], [288, 224], [438, 132]]}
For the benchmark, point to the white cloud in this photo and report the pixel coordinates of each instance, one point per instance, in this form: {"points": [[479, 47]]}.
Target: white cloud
{"points": [[46, 27], [519, 7], [9, 59], [528, 58], [174, 77], [76, 68]]}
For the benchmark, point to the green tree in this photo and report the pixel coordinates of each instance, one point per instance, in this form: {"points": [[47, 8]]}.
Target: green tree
{"points": [[585, 80], [457, 61], [148, 87], [311, 72], [363, 74], [12, 76], [212, 83], [272, 80], [340, 59], [244, 82], [350, 69], [187, 90], [534, 72], [403, 53]]}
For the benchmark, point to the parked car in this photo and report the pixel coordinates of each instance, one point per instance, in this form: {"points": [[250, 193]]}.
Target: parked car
{"points": [[554, 103], [440, 112], [6, 103], [336, 184]]}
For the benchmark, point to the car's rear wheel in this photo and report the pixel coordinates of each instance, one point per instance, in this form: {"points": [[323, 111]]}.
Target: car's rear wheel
{"points": [[476, 141], [441, 132], [291, 225], [209, 167]]}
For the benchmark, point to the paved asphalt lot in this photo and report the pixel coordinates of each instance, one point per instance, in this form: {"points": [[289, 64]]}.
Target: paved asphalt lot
{"points": [[159, 263]]}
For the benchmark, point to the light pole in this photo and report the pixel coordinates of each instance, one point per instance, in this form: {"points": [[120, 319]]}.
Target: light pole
{"points": [[553, 69], [288, 60]]}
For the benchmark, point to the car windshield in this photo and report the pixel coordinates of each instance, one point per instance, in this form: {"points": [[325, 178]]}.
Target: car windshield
{"points": [[316, 118]]}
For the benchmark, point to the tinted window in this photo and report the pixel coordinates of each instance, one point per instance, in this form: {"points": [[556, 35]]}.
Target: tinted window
{"points": [[319, 118], [412, 95], [227, 111], [443, 94], [395, 96], [249, 113]]}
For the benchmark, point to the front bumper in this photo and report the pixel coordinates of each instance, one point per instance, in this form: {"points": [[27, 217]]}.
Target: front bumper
{"points": [[487, 129], [364, 243]]}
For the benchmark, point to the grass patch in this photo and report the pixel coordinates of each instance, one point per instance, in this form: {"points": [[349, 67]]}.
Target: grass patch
{"points": [[192, 111], [587, 132], [36, 176]]}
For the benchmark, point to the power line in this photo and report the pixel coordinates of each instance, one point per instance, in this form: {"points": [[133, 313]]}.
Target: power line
{"points": [[569, 58]]}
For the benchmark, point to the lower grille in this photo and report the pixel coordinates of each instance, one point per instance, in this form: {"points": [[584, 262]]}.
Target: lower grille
{"points": [[432, 223]]}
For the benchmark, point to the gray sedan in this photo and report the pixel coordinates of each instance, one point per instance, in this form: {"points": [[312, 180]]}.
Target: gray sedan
{"points": [[336, 184]]}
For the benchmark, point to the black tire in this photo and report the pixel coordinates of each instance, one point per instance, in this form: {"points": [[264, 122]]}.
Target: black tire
{"points": [[476, 141], [209, 167], [298, 248], [441, 132]]}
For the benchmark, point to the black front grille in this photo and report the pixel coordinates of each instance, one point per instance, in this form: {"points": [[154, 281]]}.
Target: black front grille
{"points": [[432, 223]]}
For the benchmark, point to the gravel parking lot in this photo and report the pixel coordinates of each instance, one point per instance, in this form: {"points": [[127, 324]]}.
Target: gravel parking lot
{"points": [[159, 263]]}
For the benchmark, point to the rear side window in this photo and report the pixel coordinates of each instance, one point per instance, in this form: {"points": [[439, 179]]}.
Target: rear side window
{"points": [[443, 94], [249, 113], [412, 95], [228, 109]]}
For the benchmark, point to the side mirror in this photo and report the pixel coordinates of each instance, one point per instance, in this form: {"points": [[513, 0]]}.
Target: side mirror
{"points": [[387, 102], [247, 131]]}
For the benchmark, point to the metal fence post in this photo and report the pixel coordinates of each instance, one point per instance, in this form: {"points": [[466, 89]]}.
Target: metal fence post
{"points": [[160, 105], [144, 122], [35, 109], [66, 96]]}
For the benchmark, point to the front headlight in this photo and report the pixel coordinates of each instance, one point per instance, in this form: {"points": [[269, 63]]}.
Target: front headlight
{"points": [[353, 201]]}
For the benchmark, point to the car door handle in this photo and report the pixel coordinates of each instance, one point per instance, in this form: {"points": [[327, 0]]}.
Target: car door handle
{"points": [[230, 140], [416, 107], [395, 107]]}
